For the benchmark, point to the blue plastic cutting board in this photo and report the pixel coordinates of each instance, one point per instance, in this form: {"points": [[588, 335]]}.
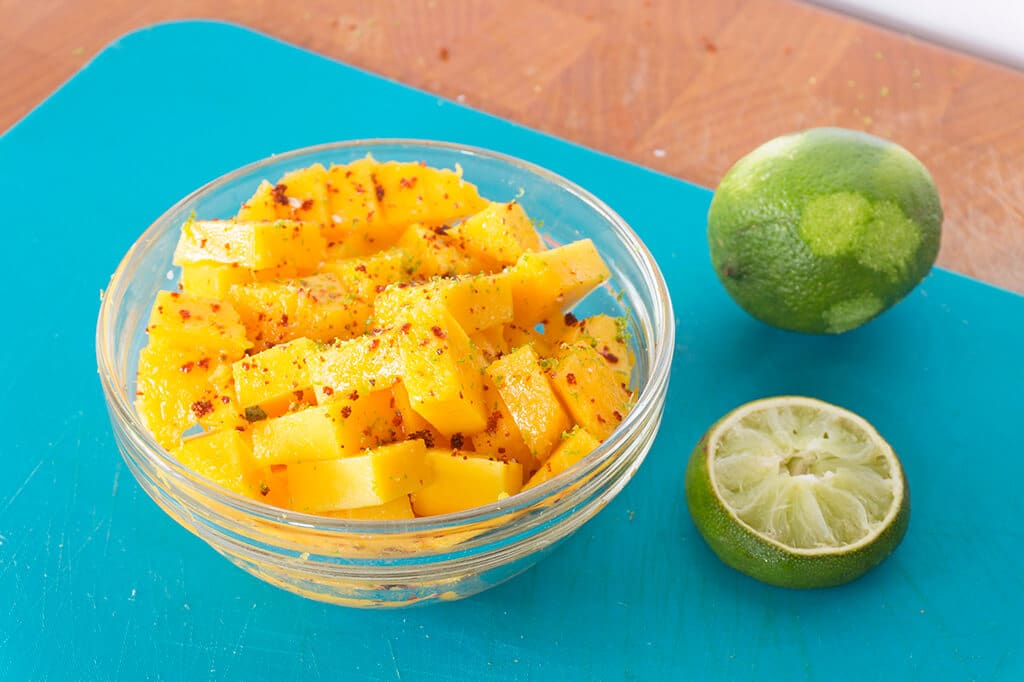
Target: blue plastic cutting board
{"points": [[97, 583]]}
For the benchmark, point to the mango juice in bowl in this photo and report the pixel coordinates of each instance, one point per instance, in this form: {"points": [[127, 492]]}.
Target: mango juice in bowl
{"points": [[403, 376]]}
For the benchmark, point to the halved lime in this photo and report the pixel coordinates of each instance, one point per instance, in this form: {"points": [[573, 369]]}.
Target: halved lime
{"points": [[797, 492]]}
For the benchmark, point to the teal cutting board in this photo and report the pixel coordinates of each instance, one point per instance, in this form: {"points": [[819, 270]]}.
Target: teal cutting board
{"points": [[97, 583]]}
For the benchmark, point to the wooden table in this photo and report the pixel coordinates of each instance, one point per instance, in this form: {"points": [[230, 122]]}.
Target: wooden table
{"points": [[683, 86]]}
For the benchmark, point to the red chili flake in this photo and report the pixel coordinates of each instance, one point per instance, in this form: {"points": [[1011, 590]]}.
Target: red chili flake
{"points": [[215, 307], [279, 194], [440, 351], [361, 268], [617, 415], [378, 188], [406, 327], [184, 314], [354, 395], [358, 187], [600, 419], [457, 441], [442, 229], [201, 408], [438, 332], [346, 412], [443, 54], [425, 436], [570, 379], [501, 451], [328, 390], [709, 46], [396, 421], [307, 204], [225, 399], [374, 343], [175, 294], [187, 367], [202, 243], [379, 288], [492, 421], [284, 319], [240, 428], [609, 356], [204, 363], [571, 320]]}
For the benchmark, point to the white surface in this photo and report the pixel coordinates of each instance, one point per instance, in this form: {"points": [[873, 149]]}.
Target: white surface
{"points": [[993, 29]]}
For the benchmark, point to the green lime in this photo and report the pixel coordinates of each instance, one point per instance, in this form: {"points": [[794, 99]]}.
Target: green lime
{"points": [[822, 230], [798, 493]]}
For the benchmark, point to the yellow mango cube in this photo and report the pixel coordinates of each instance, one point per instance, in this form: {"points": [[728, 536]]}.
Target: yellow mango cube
{"points": [[547, 284], [302, 195], [364, 364], [398, 509], [317, 307], [272, 486], [496, 236], [275, 378], [210, 279], [410, 421], [224, 457], [257, 245], [606, 334], [353, 209], [441, 372], [371, 479], [185, 321], [576, 445], [590, 389], [475, 302], [261, 206], [460, 480], [491, 342], [221, 409], [431, 254], [173, 391], [524, 387], [367, 276], [501, 436], [412, 192]]}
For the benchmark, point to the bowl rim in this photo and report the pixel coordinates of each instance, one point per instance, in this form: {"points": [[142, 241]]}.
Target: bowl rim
{"points": [[661, 314]]}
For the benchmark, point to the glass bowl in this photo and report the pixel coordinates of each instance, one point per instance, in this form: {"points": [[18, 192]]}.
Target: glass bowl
{"points": [[395, 563]]}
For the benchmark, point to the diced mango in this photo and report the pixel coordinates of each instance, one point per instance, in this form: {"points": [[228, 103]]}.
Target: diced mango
{"points": [[546, 284], [302, 195], [210, 279], [173, 391], [353, 209], [366, 363], [340, 429], [410, 421], [516, 336], [375, 478], [184, 321], [524, 387], [255, 245], [275, 378], [367, 276], [431, 254], [261, 206], [317, 307], [412, 192], [398, 509], [441, 372], [272, 485], [496, 236], [223, 410], [475, 302], [590, 389], [606, 334], [577, 445], [491, 342], [224, 457], [461, 480], [501, 436]]}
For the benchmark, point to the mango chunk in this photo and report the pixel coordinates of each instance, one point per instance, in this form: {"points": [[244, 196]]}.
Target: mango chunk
{"points": [[366, 363], [398, 509], [431, 254], [261, 206], [342, 428], [410, 421], [461, 480], [496, 236], [375, 478], [606, 334], [275, 378], [317, 307], [524, 388], [577, 445], [302, 195], [272, 485], [221, 409], [475, 302], [412, 192], [353, 209], [257, 245], [367, 276], [224, 457], [210, 279], [590, 389], [173, 390], [547, 284], [441, 372], [185, 321], [501, 436]]}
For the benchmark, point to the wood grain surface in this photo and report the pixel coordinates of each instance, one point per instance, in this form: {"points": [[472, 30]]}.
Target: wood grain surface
{"points": [[682, 86]]}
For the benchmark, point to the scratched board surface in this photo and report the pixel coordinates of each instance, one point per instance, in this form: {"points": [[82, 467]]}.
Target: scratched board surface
{"points": [[98, 583]]}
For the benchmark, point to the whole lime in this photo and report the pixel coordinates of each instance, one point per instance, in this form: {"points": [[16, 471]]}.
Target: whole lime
{"points": [[820, 231]]}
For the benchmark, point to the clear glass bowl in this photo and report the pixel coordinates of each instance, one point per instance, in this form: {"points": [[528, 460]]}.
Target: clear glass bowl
{"points": [[395, 563]]}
